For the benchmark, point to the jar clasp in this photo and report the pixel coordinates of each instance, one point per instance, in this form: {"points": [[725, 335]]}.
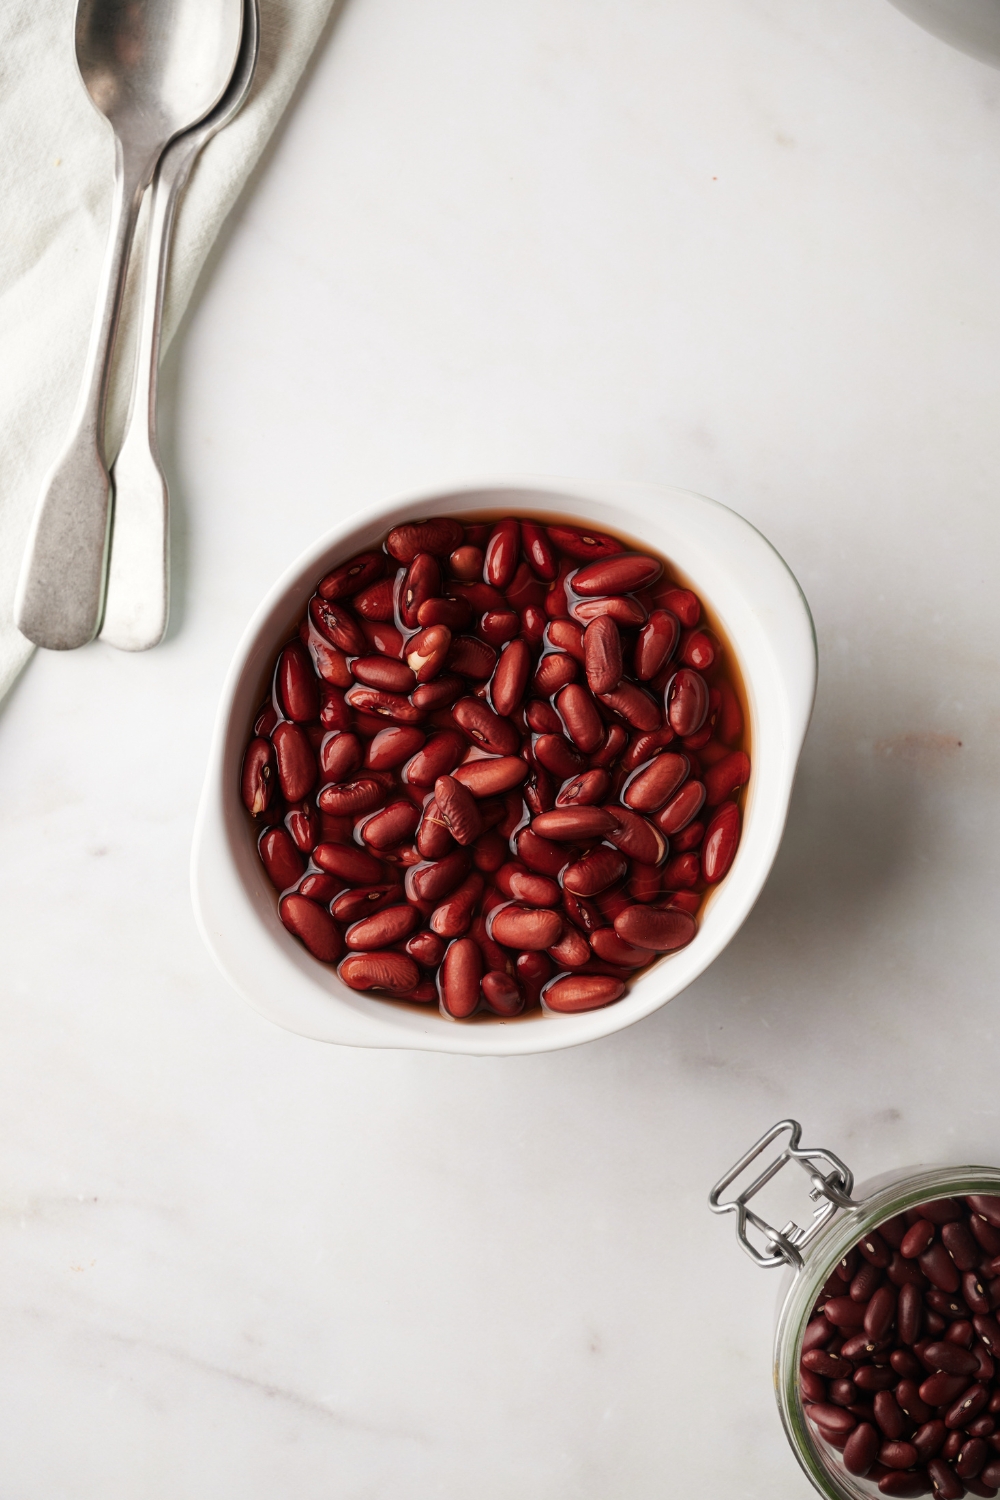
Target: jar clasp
{"points": [[833, 1187]]}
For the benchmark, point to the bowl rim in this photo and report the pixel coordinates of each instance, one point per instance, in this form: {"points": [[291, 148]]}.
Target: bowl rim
{"points": [[235, 907]]}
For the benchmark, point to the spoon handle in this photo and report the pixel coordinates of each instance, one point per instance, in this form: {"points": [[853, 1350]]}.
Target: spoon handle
{"points": [[60, 589], [138, 588]]}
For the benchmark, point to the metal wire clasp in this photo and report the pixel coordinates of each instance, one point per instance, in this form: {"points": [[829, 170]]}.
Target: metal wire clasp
{"points": [[781, 1246]]}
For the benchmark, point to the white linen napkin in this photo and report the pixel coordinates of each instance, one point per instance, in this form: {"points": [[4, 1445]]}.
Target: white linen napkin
{"points": [[56, 178]]}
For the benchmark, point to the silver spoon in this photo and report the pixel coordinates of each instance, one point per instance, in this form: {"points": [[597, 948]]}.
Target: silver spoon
{"points": [[138, 589], [971, 25], [153, 68]]}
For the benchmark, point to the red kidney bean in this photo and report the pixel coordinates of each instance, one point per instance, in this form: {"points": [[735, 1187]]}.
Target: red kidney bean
{"points": [[391, 826], [602, 654], [617, 575], [393, 972], [349, 862], [440, 754], [502, 994], [726, 776], [438, 537], [385, 705], [950, 1358], [634, 704], [573, 824], [866, 1280], [523, 927], [985, 1234], [645, 745], [897, 1455], [985, 1206], [971, 1458], [874, 1377], [466, 563], [721, 841], [421, 582], [349, 578], [282, 860], [585, 790], [295, 761], [880, 1312], [861, 1449], [376, 602], [974, 1293], [386, 640], [681, 602], [990, 1473], [906, 1364], [908, 1398], [909, 1313], [461, 977], [427, 652], [941, 1389], [459, 809], [570, 993], [967, 1407], [682, 808], [681, 873], [655, 644], [929, 1439], [451, 917], [960, 1332], [833, 1419], [614, 742], [579, 542], [361, 902], [842, 1392], [295, 681], [390, 748], [576, 708], [939, 1268], [540, 854], [337, 626], [258, 777], [572, 950], [485, 728], [890, 1419], [351, 798], [489, 851], [831, 1366], [390, 925], [302, 823], [636, 837], [526, 886], [434, 838], [429, 882], [844, 1312], [321, 888], [455, 614], [623, 610], [607, 944], [917, 1239], [502, 552], [553, 672], [472, 657], [644, 882], [312, 925], [538, 550], [510, 677], [429, 696], [652, 786], [542, 717], [497, 626], [686, 698], [490, 777], [812, 1386], [596, 871], [860, 1347], [961, 1246], [697, 650], [662, 931]]}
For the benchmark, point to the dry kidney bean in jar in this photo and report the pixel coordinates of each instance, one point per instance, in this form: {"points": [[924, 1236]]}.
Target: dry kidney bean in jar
{"points": [[899, 1367], [500, 767]]}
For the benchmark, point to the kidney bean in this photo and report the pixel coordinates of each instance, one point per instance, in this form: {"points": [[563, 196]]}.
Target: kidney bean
{"points": [[602, 654], [502, 553], [656, 644], [842, 1392], [681, 873], [682, 808], [860, 1347], [585, 790], [427, 651], [525, 927], [900, 1482], [485, 728], [897, 1455], [384, 639], [861, 1449], [697, 650], [510, 678], [376, 602], [904, 1272], [385, 705], [971, 1458], [623, 610], [432, 881], [337, 626], [321, 888], [614, 742], [834, 1419], [636, 837], [390, 925], [950, 1358], [296, 685], [573, 824], [490, 777], [438, 536], [990, 1473], [974, 1293], [542, 717], [822, 1362], [539, 854], [967, 1407], [653, 785], [351, 798], [686, 698], [644, 882], [908, 1398], [553, 673], [497, 626], [986, 1236], [351, 905], [393, 972], [351, 577], [608, 945], [940, 1389], [440, 754], [721, 840], [865, 1281], [422, 581], [539, 791], [390, 748], [349, 862], [985, 1206], [258, 777], [394, 824], [572, 950], [812, 1386], [634, 704], [917, 1238], [502, 994], [434, 838], [296, 763], [620, 574], [726, 776], [645, 745], [960, 1245], [472, 657], [874, 1377], [578, 713], [948, 1306], [466, 563], [489, 851], [302, 822], [582, 543], [281, 858], [880, 1312], [570, 993], [661, 931], [890, 1419], [939, 1268], [941, 1211], [681, 602], [595, 871], [451, 917], [459, 809], [313, 926], [454, 614], [906, 1364], [461, 976], [909, 1313], [845, 1313]]}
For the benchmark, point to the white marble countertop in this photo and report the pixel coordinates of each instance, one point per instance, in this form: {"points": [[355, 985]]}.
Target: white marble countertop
{"points": [[749, 247]]}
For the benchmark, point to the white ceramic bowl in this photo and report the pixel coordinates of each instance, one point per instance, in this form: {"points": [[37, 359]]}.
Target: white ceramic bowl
{"points": [[762, 611]]}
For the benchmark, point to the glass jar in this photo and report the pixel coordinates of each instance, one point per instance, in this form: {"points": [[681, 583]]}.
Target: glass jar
{"points": [[809, 1256]]}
